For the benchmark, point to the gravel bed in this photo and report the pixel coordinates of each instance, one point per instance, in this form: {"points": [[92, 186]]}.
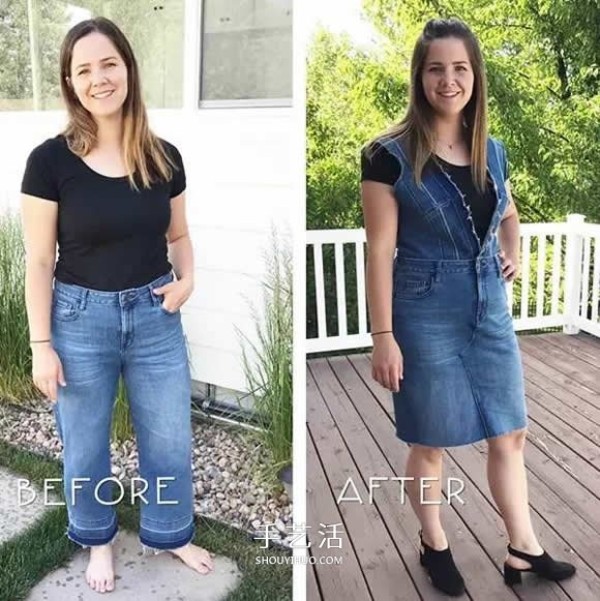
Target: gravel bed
{"points": [[223, 468]]}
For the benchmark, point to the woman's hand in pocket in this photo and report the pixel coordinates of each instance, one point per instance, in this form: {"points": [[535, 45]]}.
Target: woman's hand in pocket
{"points": [[47, 371], [175, 293], [387, 365]]}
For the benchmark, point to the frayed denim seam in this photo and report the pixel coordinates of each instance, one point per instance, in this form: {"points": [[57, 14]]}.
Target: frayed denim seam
{"points": [[481, 416], [148, 550], [110, 542], [465, 206]]}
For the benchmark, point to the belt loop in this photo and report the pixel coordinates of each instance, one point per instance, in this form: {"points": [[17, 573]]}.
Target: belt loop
{"points": [[153, 297], [83, 298], [498, 264], [438, 268]]}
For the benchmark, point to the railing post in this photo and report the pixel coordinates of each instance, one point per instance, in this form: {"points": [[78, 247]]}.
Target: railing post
{"points": [[573, 273]]}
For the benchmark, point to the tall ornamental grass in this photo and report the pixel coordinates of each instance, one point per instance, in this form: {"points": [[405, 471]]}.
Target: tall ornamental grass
{"points": [[268, 360], [16, 385]]}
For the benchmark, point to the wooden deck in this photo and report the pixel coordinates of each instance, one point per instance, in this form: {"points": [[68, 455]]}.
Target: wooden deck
{"points": [[351, 435]]}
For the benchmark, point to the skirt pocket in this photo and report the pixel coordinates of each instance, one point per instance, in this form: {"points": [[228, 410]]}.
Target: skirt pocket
{"points": [[412, 286]]}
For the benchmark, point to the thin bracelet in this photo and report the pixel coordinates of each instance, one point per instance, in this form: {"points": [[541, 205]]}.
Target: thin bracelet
{"points": [[382, 332], [37, 341]]}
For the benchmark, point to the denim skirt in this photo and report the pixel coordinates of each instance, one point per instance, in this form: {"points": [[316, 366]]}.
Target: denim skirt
{"points": [[463, 379]]}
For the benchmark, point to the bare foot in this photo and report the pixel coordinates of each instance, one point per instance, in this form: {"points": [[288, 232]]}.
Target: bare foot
{"points": [[195, 557], [100, 573]]}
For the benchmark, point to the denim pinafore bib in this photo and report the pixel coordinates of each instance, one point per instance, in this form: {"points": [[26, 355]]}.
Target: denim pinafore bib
{"points": [[463, 379]]}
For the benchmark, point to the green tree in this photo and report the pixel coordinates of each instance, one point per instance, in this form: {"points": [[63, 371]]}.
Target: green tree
{"points": [[542, 62]]}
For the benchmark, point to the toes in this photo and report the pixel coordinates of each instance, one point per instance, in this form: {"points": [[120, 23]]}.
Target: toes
{"points": [[205, 567]]}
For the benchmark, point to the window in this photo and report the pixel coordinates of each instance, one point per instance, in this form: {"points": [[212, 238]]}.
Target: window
{"points": [[31, 32], [247, 51]]}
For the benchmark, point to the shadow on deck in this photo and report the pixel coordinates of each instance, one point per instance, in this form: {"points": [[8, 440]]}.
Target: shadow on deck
{"points": [[351, 435]]}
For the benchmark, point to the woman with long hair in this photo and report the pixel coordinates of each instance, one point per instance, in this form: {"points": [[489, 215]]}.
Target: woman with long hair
{"points": [[112, 195], [443, 238]]}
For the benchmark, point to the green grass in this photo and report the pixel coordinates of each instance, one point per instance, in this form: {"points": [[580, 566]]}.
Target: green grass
{"points": [[15, 356], [42, 548]]}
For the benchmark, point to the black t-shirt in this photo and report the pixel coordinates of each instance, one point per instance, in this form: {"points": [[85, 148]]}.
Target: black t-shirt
{"points": [[110, 236], [385, 168]]}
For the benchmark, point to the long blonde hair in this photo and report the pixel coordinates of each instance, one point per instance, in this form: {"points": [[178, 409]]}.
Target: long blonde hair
{"points": [[417, 125], [143, 153]]}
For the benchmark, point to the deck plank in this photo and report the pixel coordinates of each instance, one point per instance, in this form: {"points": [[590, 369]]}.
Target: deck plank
{"points": [[583, 347], [312, 588], [346, 579], [536, 374], [564, 362], [351, 434], [377, 552]]}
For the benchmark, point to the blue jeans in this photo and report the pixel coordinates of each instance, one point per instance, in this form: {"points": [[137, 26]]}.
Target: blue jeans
{"points": [[98, 337]]}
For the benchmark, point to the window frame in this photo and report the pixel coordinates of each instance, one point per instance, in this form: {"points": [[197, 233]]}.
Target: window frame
{"points": [[198, 53]]}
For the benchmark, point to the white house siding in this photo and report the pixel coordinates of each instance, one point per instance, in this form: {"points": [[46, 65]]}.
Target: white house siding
{"points": [[239, 183]]}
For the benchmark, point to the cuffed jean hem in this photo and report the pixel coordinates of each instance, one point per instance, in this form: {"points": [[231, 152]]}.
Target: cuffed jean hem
{"points": [[92, 538], [154, 542]]}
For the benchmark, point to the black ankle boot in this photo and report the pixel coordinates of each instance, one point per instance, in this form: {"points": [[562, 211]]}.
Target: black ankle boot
{"points": [[543, 565], [441, 569]]}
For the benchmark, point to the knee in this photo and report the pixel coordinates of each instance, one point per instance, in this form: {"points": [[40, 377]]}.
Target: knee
{"points": [[508, 443], [427, 453]]}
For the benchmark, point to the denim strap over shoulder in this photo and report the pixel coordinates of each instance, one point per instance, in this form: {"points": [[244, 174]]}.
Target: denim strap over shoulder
{"points": [[434, 221]]}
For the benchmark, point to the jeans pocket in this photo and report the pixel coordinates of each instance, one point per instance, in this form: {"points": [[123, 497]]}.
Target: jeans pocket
{"points": [[64, 309], [413, 286]]}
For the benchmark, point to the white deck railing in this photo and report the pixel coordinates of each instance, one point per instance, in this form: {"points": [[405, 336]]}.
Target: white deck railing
{"points": [[559, 282]]}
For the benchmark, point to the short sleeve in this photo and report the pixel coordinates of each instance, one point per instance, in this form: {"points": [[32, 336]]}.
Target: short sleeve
{"points": [[39, 179], [178, 182], [379, 166]]}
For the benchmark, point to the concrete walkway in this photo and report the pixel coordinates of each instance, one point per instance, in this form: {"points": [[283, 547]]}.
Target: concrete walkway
{"points": [[15, 518], [152, 578], [160, 577]]}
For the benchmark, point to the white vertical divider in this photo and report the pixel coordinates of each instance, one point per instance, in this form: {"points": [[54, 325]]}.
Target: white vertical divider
{"points": [[526, 259], [595, 279], [585, 276], [340, 284], [541, 270], [556, 262], [573, 273], [361, 287], [320, 290]]}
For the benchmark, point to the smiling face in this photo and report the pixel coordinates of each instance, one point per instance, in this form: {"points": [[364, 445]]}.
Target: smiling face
{"points": [[447, 76], [98, 75]]}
